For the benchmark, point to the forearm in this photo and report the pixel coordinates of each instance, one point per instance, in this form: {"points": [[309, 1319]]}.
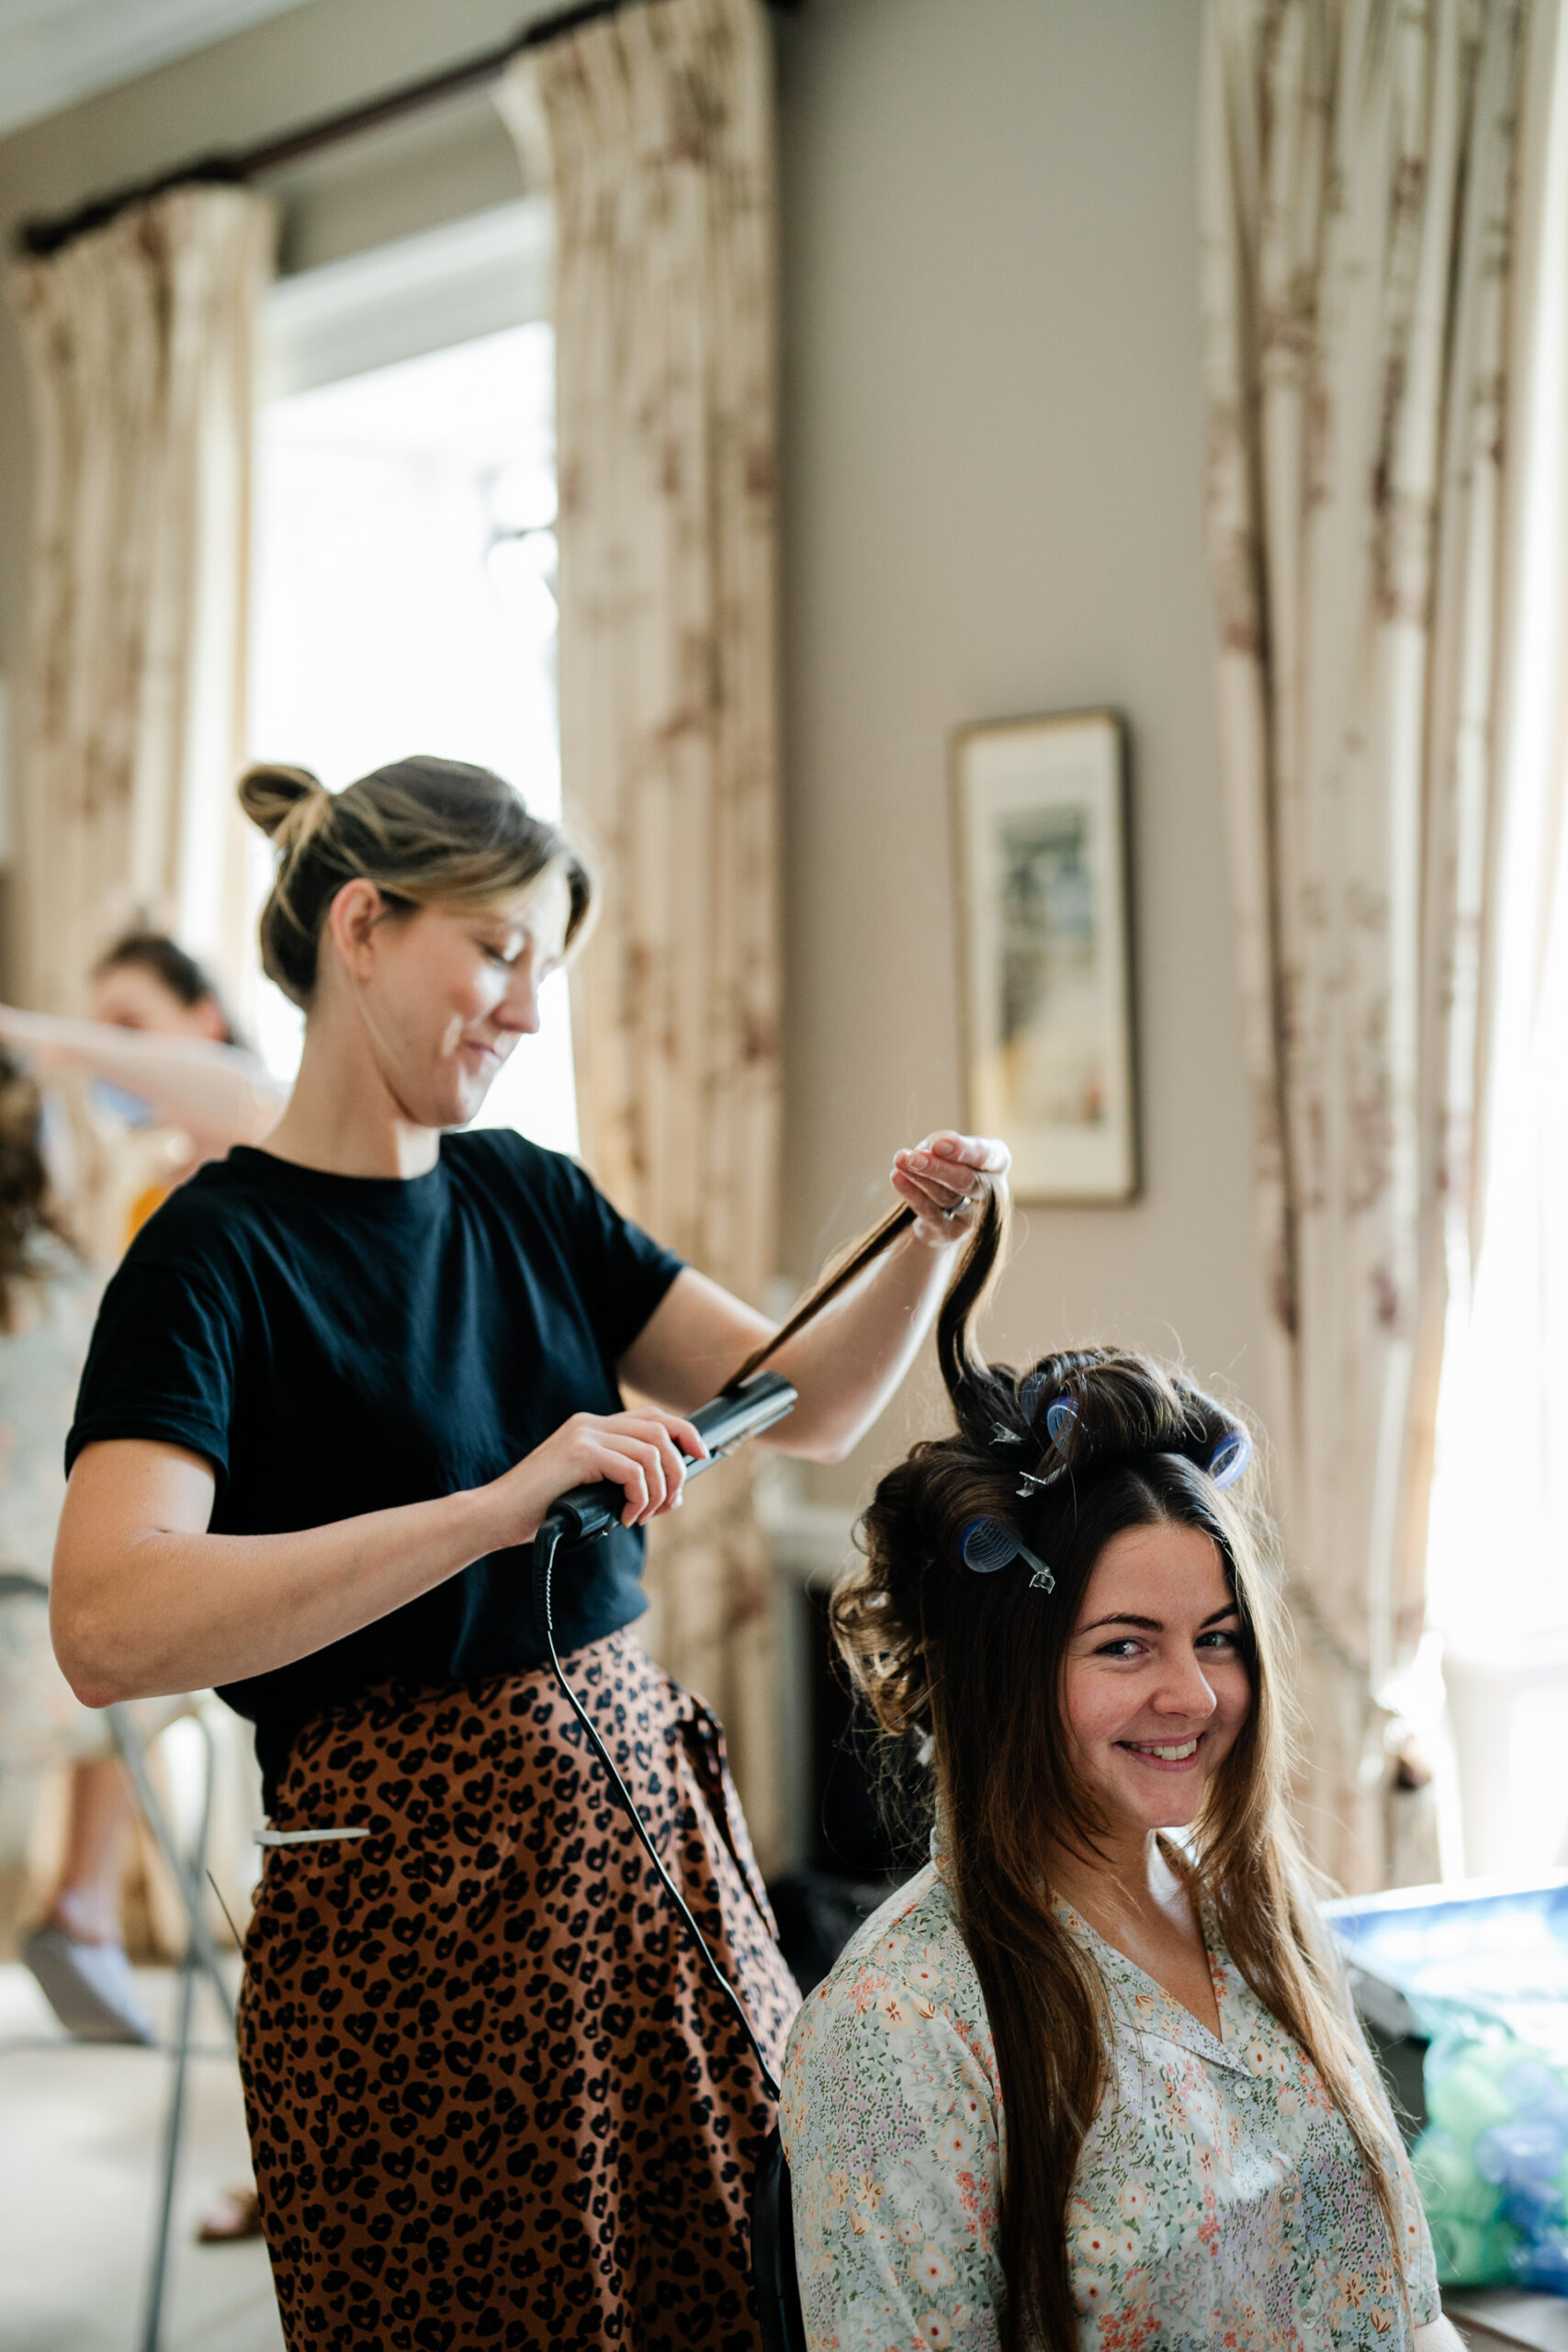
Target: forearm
{"points": [[854, 1345], [848, 1363], [217, 1095], [174, 1611], [145, 1600]]}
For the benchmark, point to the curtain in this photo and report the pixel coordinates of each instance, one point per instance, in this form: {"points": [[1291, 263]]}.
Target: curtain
{"points": [[139, 346], [1505, 1401], [660, 131], [1358, 180]]}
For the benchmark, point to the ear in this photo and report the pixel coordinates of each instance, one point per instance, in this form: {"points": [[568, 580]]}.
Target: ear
{"points": [[209, 1014], [353, 920]]}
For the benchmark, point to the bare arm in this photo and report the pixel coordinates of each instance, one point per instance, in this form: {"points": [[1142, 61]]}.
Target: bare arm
{"points": [[848, 1363], [144, 1600], [217, 1095], [1439, 2335]]}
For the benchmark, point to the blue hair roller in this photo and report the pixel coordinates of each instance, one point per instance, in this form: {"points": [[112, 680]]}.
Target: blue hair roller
{"points": [[1230, 1457], [988, 1544], [1059, 1413]]}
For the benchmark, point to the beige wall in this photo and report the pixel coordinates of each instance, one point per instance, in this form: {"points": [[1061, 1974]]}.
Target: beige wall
{"points": [[993, 459], [993, 447]]}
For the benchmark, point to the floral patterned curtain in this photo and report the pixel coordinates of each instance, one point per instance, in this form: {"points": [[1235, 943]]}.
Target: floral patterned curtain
{"points": [[139, 346], [660, 131], [1358, 170]]}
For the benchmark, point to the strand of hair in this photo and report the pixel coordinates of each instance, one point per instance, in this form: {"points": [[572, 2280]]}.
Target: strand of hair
{"points": [[870, 1249]]}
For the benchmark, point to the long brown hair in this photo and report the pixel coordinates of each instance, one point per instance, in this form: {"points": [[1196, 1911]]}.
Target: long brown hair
{"points": [[26, 1213], [974, 1665]]}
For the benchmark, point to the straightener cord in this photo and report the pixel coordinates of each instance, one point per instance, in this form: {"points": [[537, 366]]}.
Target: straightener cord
{"points": [[546, 1546]]}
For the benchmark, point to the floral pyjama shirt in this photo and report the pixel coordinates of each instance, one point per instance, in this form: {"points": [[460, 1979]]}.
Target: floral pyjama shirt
{"points": [[1219, 2199]]}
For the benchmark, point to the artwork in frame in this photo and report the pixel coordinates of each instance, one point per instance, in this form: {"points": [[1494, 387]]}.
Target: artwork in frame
{"points": [[1041, 813]]}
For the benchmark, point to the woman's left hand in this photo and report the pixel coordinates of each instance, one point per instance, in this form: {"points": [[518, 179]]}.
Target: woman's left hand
{"points": [[944, 1179]]}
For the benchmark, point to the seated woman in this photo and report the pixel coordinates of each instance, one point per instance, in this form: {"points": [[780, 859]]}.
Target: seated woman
{"points": [[1092, 2078]]}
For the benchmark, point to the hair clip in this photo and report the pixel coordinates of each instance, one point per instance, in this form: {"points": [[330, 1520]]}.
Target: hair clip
{"points": [[988, 1544], [1060, 1415], [1034, 1480], [1230, 1457], [1005, 1437]]}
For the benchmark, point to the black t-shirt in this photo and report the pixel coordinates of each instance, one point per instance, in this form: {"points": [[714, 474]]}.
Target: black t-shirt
{"points": [[342, 1344]]}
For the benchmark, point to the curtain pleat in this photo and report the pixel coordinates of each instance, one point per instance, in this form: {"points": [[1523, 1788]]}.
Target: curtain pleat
{"points": [[659, 128], [1359, 182], [138, 342]]}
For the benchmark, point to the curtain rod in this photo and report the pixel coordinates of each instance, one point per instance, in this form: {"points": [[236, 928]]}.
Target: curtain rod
{"points": [[238, 166]]}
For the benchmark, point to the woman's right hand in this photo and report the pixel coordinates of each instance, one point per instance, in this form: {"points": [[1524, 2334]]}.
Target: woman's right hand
{"points": [[644, 1453]]}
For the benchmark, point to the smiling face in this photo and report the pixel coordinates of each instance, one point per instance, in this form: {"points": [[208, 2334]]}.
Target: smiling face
{"points": [[1156, 1688], [445, 995]]}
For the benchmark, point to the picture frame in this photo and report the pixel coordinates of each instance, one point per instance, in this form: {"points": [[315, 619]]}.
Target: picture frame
{"points": [[1044, 937]]}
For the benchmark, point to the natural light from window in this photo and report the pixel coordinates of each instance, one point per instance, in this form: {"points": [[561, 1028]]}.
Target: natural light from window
{"points": [[405, 560]]}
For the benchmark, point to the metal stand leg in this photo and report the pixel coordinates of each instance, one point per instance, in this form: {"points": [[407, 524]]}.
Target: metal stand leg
{"points": [[187, 1875], [199, 1958]]}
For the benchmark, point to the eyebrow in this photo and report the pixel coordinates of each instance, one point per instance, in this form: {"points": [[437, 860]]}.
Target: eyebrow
{"points": [[1153, 1624]]}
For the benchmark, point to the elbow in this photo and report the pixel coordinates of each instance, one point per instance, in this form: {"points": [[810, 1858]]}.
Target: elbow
{"points": [[90, 1653], [95, 1694], [92, 1679]]}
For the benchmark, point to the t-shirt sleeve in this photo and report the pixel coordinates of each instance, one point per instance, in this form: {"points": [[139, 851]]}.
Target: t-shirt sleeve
{"points": [[633, 1273], [621, 1273], [162, 1364]]}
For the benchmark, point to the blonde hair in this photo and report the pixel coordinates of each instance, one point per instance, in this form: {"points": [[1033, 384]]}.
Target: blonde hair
{"points": [[427, 833]]}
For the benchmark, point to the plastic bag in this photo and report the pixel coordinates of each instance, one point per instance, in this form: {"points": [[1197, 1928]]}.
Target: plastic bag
{"points": [[1486, 1975]]}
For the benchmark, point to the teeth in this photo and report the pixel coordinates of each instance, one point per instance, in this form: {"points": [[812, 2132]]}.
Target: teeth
{"points": [[1166, 1755]]}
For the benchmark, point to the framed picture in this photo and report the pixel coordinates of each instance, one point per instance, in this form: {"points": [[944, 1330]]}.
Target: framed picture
{"points": [[1040, 817]]}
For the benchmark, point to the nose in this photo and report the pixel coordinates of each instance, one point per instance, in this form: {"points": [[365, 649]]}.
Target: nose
{"points": [[1184, 1690], [519, 1008]]}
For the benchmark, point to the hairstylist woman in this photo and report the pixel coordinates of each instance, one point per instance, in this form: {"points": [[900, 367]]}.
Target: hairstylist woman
{"points": [[334, 1390], [1069, 1596]]}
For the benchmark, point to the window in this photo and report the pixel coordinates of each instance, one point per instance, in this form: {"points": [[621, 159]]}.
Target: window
{"points": [[405, 556], [1499, 1561]]}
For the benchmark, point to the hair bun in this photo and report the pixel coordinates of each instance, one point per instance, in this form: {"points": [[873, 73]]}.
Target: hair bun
{"points": [[271, 795]]}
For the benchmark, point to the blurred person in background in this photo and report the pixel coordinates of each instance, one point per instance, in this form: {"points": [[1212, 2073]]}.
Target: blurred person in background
{"points": [[169, 1086]]}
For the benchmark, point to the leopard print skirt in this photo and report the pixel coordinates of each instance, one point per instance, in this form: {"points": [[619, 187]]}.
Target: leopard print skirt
{"points": [[494, 2098]]}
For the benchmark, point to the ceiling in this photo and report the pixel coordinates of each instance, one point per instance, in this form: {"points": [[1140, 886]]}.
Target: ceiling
{"points": [[55, 52]]}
